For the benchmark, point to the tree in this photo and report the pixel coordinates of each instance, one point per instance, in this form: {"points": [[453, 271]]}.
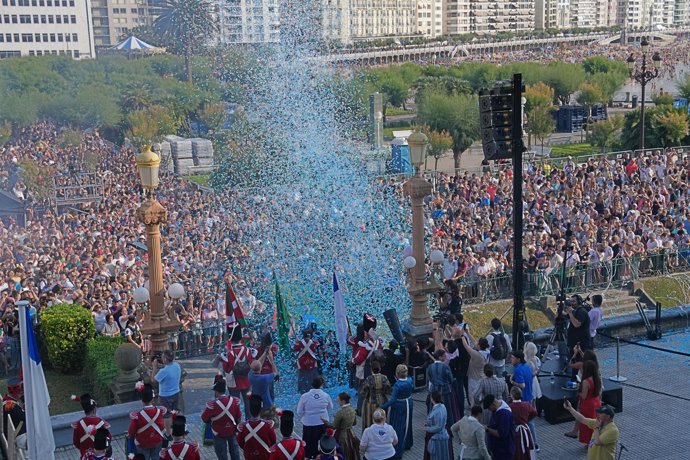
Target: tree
{"points": [[589, 95], [540, 123], [683, 86], [214, 116], [564, 79], [538, 95], [439, 144], [609, 83], [604, 134], [671, 127], [663, 99], [148, 125], [457, 114], [188, 22]]}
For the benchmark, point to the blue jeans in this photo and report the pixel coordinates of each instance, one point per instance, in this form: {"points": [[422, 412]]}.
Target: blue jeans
{"points": [[533, 430], [224, 445], [245, 400]]}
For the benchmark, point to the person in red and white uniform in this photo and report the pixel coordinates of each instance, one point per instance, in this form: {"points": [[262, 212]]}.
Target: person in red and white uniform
{"points": [[307, 361], [256, 436], [289, 448], [223, 413], [85, 428], [236, 366], [100, 448], [146, 426], [180, 449]]}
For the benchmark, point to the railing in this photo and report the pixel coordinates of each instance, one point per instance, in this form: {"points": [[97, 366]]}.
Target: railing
{"points": [[579, 278], [9, 443]]}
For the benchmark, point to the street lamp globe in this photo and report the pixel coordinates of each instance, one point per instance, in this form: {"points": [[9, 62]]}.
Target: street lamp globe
{"points": [[409, 262], [644, 46], [148, 164], [436, 256], [631, 62], [418, 143], [656, 60], [176, 291], [141, 295]]}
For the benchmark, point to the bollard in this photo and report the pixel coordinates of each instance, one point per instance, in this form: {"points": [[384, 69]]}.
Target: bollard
{"points": [[618, 377]]}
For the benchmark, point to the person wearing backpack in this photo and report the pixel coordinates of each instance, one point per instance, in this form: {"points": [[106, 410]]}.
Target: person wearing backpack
{"points": [[499, 347]]}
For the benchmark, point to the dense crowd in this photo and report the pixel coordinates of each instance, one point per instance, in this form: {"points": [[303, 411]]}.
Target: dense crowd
{"points": [[618, 218]]}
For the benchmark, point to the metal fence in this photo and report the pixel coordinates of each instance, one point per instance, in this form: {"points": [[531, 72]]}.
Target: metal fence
{"points": [[579, 278]]}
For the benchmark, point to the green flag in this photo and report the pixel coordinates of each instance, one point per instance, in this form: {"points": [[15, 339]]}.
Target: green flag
{"points": [[283, 317]]}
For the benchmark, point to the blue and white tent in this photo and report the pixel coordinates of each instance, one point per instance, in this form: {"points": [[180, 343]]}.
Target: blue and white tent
{"points": [[134, 44]]}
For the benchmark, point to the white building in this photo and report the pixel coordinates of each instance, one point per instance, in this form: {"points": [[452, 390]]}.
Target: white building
{"points": [[563, 14], [430, 18], [42, 27], [371, 19], [249, 21], [640, 14], [681, 13], [336, 20], [545, 14], [458, 19], [583, 13], [114, 19]]}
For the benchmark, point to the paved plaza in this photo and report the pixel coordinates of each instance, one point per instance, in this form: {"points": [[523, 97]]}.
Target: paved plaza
{"points": [[653, 423]]}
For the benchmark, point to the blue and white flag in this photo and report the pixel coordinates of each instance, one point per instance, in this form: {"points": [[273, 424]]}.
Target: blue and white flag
{"points": [[39, 432], [341, 324]]}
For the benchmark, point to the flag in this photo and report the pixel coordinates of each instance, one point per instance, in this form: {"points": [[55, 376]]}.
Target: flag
{"points": [[39, 431], [341, 324], [283, 317], [233, 308]]}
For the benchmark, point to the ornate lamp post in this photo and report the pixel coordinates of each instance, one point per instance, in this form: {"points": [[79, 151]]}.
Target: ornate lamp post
{"points": [[419, 288], [643, 75], [151, 213]]}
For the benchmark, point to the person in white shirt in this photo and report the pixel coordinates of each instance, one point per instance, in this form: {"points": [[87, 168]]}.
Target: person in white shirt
{"points": [[379, 439], [312, 408]]}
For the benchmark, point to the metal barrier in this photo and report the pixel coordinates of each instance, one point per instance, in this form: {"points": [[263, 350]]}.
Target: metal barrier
{"points": [[582, 277]]}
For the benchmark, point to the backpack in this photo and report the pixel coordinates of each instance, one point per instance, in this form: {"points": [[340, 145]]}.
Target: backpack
{"points": [[240, 368], [499, 348]]}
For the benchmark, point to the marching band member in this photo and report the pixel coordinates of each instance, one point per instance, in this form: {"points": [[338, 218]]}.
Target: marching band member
{"points": [[223, 413], [307, 362], [256, 436], [289, 448], [86, 427], [146, 426], [179, 448]]}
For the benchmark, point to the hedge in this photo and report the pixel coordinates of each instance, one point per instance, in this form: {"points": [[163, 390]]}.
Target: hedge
{"points": [[65, 329], [100, 369]]}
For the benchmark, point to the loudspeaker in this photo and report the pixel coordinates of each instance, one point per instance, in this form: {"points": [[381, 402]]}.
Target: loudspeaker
{"points": [[391, 317]]}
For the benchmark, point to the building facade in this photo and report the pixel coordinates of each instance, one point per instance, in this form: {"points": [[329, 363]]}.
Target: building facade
{"points": [[249, 21], [371, 19], [641, 14], [113, 20], [431, 18], [45, 27], [491, 16], [545, 14], [458, 19]]}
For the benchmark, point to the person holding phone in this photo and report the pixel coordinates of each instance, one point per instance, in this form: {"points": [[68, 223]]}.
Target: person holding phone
{"points": [[605, 433]]}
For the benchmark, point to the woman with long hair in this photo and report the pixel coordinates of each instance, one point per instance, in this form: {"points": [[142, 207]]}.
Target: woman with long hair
{"points": [[590, 389]]}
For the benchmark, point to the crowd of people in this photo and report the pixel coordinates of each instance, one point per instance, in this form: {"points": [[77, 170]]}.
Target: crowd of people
{"points": [[618, 219]]}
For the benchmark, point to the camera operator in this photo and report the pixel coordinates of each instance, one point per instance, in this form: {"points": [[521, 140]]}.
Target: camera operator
{"points": [[578, 327], [449, 299]]}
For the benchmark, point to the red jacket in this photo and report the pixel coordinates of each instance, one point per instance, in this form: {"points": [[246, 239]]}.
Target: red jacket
{"points": [[256, 437], [306, 357], [83, 440], [237, 353], [224, 415], [292, 449], [146, 427], [266, 368], [365, 350], [181, 450]]}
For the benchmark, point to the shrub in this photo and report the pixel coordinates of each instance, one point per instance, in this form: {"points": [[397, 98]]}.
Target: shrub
{"points": [[66, 329], [100, 369]]}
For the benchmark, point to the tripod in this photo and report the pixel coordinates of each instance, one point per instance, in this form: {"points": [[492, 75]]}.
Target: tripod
{"points": [[558, 341]]}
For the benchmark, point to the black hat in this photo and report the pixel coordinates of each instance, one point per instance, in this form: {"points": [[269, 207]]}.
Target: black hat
{"points": [[327, 444], [605, 409], [87, 403], [369, 322], [235, 332], [139, 457], [219, 385], [255, 404], [179, 426], [287, 423], [147, 393], [100, 440]]}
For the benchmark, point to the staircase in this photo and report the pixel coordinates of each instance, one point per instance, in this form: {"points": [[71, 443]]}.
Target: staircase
{"points": [[617, 302]]}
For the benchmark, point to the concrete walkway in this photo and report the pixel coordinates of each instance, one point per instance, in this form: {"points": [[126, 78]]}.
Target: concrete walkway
{"points": [[653, 422]]}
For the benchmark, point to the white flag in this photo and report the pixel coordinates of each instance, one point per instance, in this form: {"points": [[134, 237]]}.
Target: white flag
{"points": [[39, 431], [341, 325]]}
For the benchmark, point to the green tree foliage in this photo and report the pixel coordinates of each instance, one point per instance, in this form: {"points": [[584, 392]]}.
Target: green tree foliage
{"points": [[37, 179], [66, 329], [663, 99], [456, 114], [605, 133], [390, 83], [189, 23], [538, 95], [564, 79], [683, 86], [670, 126], [99, 368], [439, 144], [540, 123], [149, 125], [589, 94]]}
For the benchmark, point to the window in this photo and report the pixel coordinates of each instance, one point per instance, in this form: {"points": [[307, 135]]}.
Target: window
{"points": [[44, 19], [4, 2], [39, 53], [36, 20], [34, 2], [68, 38], [74, 37], [50, 19], [60, 38], [45, 38], [8, 38], [73, 19], [2, 38], [14, 19], [49, 2], [16, 38], [37, 38], [71, 2], [76, 53], [65, 19], [52, 38], [25, 19], [42, 2], [58, 19], [27, 38]]}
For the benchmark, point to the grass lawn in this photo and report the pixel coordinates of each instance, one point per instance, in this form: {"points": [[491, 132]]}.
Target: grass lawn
{"points": [[202, 179], [479, 316], [574, 150], [395, 111], [60, 387], [671, 291]]}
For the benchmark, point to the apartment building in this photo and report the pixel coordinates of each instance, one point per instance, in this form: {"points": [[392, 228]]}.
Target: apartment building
{"points": [[370, 19], [113, 20], [545, 14], [431, 18], [249, 21], [640, 14], [458, 17], [44, 27], [492, 16]]}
